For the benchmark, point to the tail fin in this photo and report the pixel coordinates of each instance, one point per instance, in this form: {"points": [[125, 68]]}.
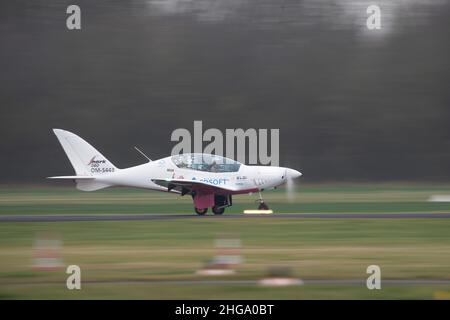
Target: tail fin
{"points": [[85, 159]]}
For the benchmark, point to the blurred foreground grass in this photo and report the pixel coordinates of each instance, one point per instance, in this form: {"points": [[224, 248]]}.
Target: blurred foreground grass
{"points": [[122, 259]]}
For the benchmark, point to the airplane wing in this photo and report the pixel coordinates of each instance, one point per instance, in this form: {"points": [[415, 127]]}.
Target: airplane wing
{"points": [[186, 186]]}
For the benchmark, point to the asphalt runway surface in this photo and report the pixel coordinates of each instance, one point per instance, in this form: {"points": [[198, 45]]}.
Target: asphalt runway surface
{"points": [[170, 216]]}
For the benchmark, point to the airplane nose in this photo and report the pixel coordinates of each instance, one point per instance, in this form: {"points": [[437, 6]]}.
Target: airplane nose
{"points": [[292, 174]]}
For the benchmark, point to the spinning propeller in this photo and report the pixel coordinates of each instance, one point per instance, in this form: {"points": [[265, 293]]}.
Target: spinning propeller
{"points": [[290, 175]]}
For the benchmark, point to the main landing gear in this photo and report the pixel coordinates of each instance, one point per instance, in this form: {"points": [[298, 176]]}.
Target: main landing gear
{"points": [[220, 203], [216, 209], [262, 204]]}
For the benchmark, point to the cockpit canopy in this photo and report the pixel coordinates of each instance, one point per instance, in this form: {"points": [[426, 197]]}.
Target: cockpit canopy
{"points": [[205, 162]]}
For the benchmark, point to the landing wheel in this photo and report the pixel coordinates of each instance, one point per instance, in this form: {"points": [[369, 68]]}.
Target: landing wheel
{"points": [[201, 212], [263, 206], [218, 210]]}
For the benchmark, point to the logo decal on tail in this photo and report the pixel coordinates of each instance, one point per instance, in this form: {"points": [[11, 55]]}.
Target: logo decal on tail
{"points": [[96, 161], [97, 166]]}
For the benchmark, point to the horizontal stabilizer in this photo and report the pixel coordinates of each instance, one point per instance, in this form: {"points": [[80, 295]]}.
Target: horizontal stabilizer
{"points": [[85, 183]]}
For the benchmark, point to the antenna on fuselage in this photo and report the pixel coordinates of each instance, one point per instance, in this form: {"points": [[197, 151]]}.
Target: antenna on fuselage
{"points": [[143, 154]]}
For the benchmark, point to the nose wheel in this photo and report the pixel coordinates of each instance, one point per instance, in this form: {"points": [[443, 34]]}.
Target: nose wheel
{"points": [[262, 205]]}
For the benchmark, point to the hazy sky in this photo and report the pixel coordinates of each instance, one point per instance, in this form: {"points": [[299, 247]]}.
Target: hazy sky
{"points": [[351, 104]]}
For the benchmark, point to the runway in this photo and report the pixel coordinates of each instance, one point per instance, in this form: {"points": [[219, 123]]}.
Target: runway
{"points": [[170, 216]]}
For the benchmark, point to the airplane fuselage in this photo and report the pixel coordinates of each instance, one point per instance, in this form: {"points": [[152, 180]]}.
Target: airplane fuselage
{"points": [[246, 179]]}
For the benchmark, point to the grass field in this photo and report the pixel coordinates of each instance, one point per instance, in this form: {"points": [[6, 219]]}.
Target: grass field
{"points": [[347, 198], [155, 259]]}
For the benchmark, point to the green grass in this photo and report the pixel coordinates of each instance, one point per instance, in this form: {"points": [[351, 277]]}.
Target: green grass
{"points": [[122, 259], [232, 292], [360, 198]]}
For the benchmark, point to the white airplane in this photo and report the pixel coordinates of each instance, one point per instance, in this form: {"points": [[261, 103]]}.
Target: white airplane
{"points": [[211, 180]]}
